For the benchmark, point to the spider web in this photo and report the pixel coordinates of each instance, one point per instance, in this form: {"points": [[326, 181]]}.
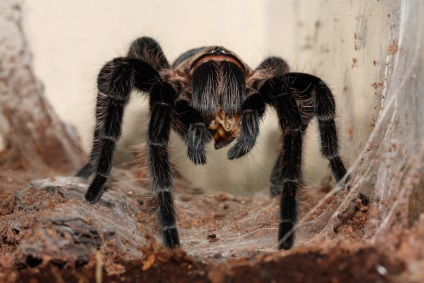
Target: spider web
{"points": [[388, 170]]}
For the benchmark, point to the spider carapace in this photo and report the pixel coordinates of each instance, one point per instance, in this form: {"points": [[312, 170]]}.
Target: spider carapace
{"points": [[207, 94], [219, 97]]}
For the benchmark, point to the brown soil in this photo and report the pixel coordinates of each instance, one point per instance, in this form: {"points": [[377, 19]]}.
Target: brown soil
{"points": [[50, 234]]}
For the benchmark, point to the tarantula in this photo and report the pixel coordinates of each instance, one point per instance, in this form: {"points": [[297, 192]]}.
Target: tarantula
{"points": [[209, 93]]}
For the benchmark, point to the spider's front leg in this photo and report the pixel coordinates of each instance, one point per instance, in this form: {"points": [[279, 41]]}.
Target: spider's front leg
{"points": [[115, 82], [116, 79], [162, 103]]}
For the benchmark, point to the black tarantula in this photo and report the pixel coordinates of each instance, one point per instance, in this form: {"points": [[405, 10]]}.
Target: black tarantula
{"points": [[210, 93]]}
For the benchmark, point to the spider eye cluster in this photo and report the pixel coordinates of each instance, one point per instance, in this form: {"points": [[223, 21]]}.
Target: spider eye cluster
{"points": [[218, 51]]}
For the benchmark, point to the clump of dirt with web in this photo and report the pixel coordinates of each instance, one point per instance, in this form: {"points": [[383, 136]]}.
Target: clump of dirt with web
{"points": [[372, 232], [49, 230]]}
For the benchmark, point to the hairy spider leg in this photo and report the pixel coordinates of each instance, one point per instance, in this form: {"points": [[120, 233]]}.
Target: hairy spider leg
{"points": [[162, 102], [285, 181], [326, 111], [115, 82], [297, 97], [285, 176], [311, 88], [145, 49], [87, 170]]}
